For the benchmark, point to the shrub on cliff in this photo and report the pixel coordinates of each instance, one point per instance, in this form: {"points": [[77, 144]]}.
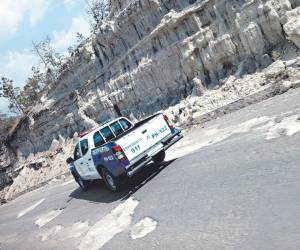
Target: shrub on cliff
{"points": [[5, 125]]}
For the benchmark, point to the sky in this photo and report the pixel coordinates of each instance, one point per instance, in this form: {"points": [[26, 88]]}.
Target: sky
{"points": [[26, 21]]}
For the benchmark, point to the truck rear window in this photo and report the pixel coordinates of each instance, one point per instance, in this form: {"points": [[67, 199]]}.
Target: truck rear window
{"points": [[125, 124], [107, 133], [116, 127], [98, 139]]}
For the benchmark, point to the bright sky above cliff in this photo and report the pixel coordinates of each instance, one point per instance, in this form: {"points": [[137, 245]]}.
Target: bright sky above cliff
{"points": [[24, 21]]}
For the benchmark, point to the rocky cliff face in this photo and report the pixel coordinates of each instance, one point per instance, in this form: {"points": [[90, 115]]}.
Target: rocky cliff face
{"points": [[6, 165], [151, 54]]}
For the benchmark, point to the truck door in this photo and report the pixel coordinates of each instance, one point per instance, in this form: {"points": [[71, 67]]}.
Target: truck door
{"points": [[78, 160], [89, 169]]}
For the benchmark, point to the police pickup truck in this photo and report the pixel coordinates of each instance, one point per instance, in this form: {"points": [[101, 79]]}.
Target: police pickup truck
{"points": [[119, 149]]}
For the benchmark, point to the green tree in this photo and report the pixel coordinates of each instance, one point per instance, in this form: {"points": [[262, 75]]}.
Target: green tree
{"points": [[38, 76], [49, 57], [6, 123], [30, 93], [11, 93], [4, 126], [80, 37], [96, 11], [51, 60]]}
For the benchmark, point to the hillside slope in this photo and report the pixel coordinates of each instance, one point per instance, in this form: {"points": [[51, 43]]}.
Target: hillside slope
{"points": [[149, 55]]}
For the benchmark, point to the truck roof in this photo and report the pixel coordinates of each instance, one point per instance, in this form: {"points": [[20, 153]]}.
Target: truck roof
{"points": [[102, 125]]}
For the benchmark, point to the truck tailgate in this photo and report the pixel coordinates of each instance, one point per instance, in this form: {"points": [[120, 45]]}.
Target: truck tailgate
{"points": [[144, 137]]}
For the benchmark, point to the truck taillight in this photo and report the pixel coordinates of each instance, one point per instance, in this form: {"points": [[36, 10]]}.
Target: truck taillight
{"points": [[120, 155], [168, 122]]}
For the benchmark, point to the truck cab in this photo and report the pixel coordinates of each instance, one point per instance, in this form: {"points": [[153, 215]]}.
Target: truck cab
{"points": [[89, 140]]}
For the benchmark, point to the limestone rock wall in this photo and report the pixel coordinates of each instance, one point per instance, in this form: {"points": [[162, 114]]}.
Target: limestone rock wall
{"points": [[6, 165], [150, 54]]}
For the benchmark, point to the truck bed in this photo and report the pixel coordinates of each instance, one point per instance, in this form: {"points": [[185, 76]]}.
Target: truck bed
{"points": [[145, 136]]}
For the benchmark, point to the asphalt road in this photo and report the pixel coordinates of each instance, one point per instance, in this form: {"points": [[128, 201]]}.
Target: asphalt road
{"points": [[232, 184]]}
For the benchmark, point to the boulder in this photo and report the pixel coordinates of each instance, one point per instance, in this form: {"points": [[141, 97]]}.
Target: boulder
{"points": [[274, 70], [292, 26]]}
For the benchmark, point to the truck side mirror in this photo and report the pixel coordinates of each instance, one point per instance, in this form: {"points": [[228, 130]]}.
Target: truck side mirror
{"points": [[70, 160]]}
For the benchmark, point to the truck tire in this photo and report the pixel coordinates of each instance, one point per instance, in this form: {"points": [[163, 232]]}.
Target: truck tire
{"points": [[111, 182], [84, 185], [160, 157]]}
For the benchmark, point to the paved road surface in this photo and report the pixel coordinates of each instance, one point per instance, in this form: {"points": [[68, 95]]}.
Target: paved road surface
{"points": [[232, 184]]}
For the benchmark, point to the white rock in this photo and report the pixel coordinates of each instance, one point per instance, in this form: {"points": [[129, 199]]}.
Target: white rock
{"points": [[275, 69], [292, 26], [285, 86]]}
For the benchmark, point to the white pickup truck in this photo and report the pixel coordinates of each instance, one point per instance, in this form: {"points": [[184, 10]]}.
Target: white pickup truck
{"points": [[120, 148]]}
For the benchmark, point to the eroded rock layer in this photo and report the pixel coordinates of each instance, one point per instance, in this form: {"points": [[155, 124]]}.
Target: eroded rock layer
{"points": [[150, 54]]}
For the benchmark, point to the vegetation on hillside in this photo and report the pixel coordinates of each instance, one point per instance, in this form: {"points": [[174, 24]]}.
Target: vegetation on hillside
{"points": [[96, 11], [51, 65], [5, 125]]}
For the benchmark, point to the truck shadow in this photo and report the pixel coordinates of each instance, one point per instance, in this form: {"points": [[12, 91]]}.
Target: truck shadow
{"points": [[98, 193]]}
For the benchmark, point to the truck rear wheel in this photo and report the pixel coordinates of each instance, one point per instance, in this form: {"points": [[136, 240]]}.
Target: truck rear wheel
{"points": [[160, 157], [111, 182]]}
